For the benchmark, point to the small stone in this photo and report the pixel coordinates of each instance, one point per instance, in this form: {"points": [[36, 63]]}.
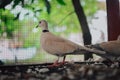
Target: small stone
{"points": [[29, 70], [90, 72], [55, 76], [43, 70]]}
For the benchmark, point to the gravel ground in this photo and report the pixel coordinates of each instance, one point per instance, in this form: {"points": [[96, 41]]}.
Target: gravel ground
{"points": [[69, 71]]}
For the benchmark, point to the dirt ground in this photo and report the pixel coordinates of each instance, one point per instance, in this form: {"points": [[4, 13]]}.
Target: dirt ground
{"points": [[69, 71]]}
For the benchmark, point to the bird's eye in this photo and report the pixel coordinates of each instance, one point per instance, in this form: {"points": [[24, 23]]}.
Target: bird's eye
{"points": [[40, 22]]}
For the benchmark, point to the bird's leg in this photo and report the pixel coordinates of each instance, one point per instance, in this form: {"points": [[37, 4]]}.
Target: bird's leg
{"points": [[55, 64], [64, 59], [63, 62]]}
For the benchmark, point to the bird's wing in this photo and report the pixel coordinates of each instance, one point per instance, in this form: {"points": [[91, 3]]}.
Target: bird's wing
{"points": [[111, 46], [58, 45]]}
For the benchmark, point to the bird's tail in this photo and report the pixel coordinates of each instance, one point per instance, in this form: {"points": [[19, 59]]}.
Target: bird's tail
{"points": [[92, 50], [99, 53], [86, 50]]}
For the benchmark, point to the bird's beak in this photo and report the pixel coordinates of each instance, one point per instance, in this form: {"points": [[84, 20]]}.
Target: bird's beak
{"points": [[37, 26]]}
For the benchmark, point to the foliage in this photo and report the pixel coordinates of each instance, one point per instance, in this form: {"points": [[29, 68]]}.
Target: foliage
{"points": [[90, 6], [7, 22], [31, 11]]}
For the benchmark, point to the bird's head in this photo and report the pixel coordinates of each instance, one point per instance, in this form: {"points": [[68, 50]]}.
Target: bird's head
{"points": [[43, 24]]}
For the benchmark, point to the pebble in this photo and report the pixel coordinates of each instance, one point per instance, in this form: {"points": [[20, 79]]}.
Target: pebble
{"points": [[67, 72]]}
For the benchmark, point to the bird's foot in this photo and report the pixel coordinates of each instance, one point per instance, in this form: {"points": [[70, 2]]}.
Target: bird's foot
{"points": [[58, 64], [90, 60], [64, 62], [54, 65]]}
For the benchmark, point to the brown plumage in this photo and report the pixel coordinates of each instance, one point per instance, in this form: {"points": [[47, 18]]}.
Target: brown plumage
{"points": [[59, 46], [112, 49]]}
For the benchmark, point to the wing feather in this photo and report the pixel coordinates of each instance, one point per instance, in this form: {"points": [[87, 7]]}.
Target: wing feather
{"points": [[111, 46], [57, 45]]}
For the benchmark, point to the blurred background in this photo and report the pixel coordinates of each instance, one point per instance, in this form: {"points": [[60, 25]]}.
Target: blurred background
{"points": [[20, 41]]}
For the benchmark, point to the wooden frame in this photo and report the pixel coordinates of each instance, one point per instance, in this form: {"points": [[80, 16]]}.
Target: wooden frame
{"points": [[113, 17]]}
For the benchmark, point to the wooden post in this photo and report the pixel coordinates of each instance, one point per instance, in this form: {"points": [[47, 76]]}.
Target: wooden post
{"points": [[113, 19]]}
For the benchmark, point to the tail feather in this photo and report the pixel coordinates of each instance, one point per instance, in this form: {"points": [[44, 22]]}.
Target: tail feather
{"points": [[100, 52], [96, 46], [94, 50]]}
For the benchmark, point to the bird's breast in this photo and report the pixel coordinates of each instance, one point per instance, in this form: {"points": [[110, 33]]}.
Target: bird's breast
{"points": [[46, 44]]}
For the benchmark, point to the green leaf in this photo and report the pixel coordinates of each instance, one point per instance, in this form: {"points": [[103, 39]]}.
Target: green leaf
{"points": [[39, 10], [17, 17], [27, 14], [22, 1], [16, 2], [32, 1], [61, 2], [48, 6]]}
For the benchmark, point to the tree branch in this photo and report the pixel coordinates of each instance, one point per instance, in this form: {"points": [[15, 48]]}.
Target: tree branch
{"points": [[84, 25]]}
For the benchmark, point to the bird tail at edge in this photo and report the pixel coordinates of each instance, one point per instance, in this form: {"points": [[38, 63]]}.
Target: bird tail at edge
{"points": [[92, 50], [99, 53]]}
